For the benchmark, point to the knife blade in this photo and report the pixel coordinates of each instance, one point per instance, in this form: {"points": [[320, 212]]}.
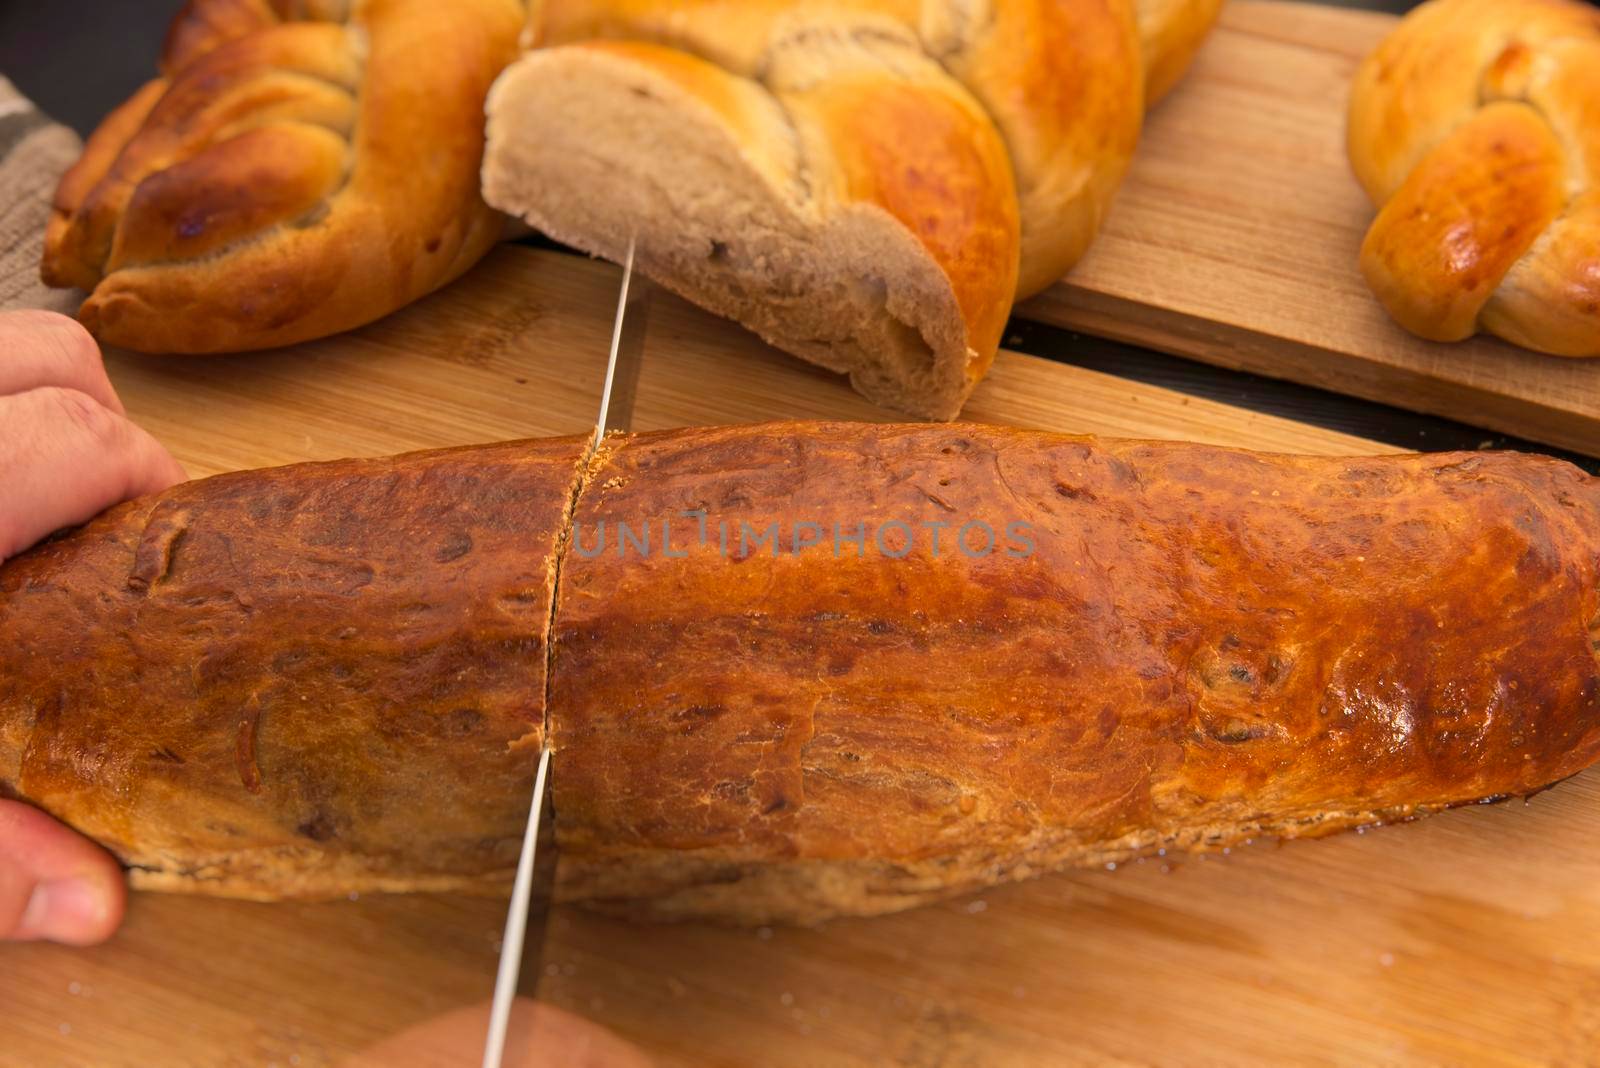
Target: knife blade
{"points": [[522, 946], [523, 943], [627, 350]]}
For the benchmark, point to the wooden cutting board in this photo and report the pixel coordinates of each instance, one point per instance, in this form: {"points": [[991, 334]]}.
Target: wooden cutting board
{"points": [[1468, 938], [1234, 241]]}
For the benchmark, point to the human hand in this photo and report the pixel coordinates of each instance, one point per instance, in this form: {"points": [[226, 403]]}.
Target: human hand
{"points": [[67, 452], [540, 1036], [67, 449]]}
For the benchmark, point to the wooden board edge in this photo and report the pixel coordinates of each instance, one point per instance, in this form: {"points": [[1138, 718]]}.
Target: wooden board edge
{"points": [[1289, 359]]}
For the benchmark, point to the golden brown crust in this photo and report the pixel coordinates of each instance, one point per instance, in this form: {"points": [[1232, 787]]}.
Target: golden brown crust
{"points": [[68, 258], [1065, 81], [932, 162], [296, 682], [1472, 129], [274, 192], [1062, 81], [202, 26], [994, 133], [861, 221], [1204, 645], [333, 677], [1170, 33]]}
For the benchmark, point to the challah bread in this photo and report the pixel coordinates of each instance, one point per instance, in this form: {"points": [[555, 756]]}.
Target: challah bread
{"points": [[787, 691], [1475, 128], [1170, 33], [300, 168], [797, 227], [868, 184]]}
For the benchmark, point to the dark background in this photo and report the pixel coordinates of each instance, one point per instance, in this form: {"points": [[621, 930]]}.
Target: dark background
{"points": [[78, 58]]}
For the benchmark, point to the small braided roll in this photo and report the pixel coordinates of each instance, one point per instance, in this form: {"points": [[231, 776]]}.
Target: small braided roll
{"points": [[1475, 127], [301, 167]]}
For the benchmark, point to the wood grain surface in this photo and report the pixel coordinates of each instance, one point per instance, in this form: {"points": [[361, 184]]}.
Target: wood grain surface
{"points": [[1234, 241], [1469, 938]]}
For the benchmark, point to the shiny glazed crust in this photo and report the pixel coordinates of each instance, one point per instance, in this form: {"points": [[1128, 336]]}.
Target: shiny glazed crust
{"points": [[1473, 129], [1170, 33], [331, 678], [299, 169], [1204, 645], [865, 223], [1060, 82], [868, 184], [295, 682]]}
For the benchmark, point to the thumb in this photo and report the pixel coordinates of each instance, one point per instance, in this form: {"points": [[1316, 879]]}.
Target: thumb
{"points": [[55, 884]]}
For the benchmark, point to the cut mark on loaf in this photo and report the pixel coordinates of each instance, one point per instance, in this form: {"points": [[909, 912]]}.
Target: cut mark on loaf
{"points": [[245, 744], [158, 548]]}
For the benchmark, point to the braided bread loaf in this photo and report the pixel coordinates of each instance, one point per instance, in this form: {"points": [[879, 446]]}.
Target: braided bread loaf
{"points": [[300, 168], [868, 184], [1475, 127]]}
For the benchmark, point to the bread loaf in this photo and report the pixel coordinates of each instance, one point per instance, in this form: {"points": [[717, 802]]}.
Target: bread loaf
{"points": [[868, 184], [1475, 129], [300, 168], [295, 682], [772, 694]]}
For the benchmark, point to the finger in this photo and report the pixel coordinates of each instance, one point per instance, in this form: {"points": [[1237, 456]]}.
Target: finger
{"points": [[64, 458], [55, 884], [41, 348], [540, 1036], [537, 1029]]}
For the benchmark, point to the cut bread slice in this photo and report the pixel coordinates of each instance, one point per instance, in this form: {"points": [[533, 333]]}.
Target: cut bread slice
{"points": [[857, 211]]}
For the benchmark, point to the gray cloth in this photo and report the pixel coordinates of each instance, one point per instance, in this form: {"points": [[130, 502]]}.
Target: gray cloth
{"points": [[33, 153]]}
